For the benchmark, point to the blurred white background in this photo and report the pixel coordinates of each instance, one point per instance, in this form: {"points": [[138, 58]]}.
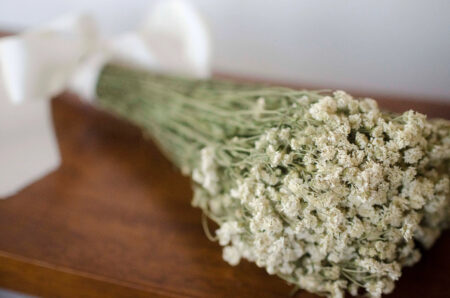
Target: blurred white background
{"points": [[399, 47]]}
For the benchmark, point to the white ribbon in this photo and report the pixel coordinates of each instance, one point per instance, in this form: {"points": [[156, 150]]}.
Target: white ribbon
{"points": [[69, 53]]}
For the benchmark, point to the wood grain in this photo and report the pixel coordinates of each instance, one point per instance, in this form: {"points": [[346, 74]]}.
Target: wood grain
{"points": [[115, 221]]}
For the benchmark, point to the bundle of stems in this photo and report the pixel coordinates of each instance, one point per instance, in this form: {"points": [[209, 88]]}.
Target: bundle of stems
{"points": [[184, 115], [324, 190]]}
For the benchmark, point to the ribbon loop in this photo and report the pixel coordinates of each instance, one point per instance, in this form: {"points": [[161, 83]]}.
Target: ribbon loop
{"points": [[70, 53]]}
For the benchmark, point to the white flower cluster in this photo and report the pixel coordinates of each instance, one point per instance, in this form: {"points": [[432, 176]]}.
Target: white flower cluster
{"points": [[323, 190], [335, 199]]}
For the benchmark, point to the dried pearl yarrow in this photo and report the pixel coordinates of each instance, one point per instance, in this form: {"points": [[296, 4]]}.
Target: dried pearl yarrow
{"points": [[325, 191], [337, 200]]}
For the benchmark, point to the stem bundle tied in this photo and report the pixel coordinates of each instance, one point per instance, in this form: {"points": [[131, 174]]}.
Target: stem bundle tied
{"points": [[321, 189]]}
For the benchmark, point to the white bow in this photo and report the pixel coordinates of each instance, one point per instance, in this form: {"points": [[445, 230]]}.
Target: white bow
{"points": [[69, 53]]}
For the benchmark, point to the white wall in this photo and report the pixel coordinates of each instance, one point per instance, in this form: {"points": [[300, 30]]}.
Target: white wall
{"points": [[386, 46]]}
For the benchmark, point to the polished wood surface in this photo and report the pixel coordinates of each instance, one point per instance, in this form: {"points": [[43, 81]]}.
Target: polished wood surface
{"points": [[115, 220]]}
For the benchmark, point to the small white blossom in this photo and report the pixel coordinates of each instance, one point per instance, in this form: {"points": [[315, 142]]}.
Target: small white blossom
{"points": [[231, 255], [227, 231], [413, 155]]}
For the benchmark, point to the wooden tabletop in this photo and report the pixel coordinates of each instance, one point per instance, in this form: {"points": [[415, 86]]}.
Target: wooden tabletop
{"points": [[115, 220]]}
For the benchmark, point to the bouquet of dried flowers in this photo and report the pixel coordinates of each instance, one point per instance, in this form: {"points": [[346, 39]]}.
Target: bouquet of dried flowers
{"points": [[324, 190]]}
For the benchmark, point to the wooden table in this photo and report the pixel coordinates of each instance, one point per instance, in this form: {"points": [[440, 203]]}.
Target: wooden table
{"points": [[115, 220]]}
